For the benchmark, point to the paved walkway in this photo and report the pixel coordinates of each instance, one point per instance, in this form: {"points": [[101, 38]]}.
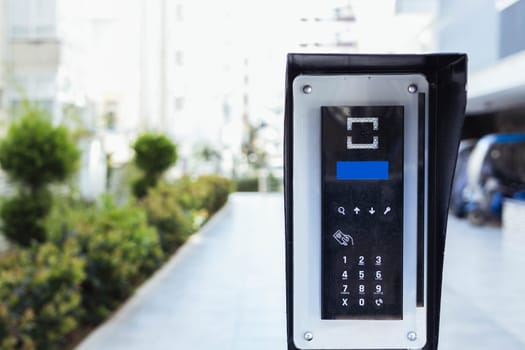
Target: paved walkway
{"points": [[225, 289], [483, 306]]}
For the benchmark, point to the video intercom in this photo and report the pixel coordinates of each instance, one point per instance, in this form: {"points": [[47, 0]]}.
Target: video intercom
{"points": [[370, 144]]}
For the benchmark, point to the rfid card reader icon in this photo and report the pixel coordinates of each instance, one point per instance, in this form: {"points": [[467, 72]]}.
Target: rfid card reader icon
{"points": [[343, 239]]}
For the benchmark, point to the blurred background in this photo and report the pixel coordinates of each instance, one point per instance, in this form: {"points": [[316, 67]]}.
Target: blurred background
{"points": [[209, 75]]}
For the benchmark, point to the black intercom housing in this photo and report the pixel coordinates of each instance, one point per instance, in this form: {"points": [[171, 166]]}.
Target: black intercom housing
{"points": [[445, 106]]}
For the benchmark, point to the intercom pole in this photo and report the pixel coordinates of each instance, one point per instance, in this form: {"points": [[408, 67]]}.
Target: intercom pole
{"points": [[370, 151]]}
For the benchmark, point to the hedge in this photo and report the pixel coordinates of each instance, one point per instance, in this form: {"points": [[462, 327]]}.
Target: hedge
{"points": [[121, 251], [164, 212], [215, 190], [40, 289], [95, 258]]}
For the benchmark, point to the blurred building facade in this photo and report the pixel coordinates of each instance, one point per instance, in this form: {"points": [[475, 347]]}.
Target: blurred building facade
{"points": [[491, 32], [128, 66], [33, 52]]}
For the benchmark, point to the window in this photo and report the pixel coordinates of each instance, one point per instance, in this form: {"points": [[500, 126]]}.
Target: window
{"points": [[31, 19], [179, 58], [110, 114], [179, 103], [179, 11]]}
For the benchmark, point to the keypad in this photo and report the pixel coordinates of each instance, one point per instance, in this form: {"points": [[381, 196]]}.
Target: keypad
{"points": [[363, 280], [361, 288], [362, 213]]}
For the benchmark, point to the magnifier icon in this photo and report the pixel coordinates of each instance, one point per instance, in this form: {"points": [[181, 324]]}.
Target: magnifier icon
{"points": [[341, 211]]}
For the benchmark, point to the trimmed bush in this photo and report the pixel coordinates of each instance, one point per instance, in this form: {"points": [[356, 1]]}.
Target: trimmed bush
{"points": [[215, 191], [141, 185], [188, 194], [178, 209], [121, 250], [164, 212], [247, 184], [34, 154], [154, 154], [23, 217], [66, 216], [275, 184], [40, 293]]}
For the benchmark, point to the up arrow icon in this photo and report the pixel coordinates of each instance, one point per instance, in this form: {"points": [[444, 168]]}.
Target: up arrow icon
{"points": [[372, 211], [356, 210]]}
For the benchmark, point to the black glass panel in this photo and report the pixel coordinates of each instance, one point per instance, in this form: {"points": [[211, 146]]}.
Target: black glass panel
{"points": [[362, 212]]}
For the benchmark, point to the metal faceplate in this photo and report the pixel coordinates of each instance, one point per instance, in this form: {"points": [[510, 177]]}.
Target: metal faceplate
{"points": [[359, 211]]}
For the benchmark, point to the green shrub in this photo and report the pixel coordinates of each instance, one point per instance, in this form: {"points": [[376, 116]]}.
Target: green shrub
{"points": [[40, 293], [188, 194], [275, 184], [215, 191], [34, 153], [153, 155], [23, 217], [119, 247], [141, 185], [66, 216], [247, 184], [164, 212], [121, 250]]}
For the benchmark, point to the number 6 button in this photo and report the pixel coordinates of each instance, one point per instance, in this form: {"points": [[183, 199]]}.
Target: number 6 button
{"points": [[379, 275]]}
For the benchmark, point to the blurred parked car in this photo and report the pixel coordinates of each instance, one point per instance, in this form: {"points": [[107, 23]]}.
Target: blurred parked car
{"points": [[495, 170], [457, 200]]}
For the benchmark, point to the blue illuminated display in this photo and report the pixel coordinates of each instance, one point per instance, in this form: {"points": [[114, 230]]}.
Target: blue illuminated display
{"points": [[362, 170]]}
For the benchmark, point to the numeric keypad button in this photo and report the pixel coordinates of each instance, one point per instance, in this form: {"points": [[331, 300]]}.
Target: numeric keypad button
{"points": [[361, 289], [344, 289], [378, 289], [378, 275], [378, 260], [378, 302], [361, 275]]}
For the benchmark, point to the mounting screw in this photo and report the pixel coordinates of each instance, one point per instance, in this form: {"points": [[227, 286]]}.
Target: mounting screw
{"points": [[308, 336], [307, 89], [412, 88], [412, 336]]}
